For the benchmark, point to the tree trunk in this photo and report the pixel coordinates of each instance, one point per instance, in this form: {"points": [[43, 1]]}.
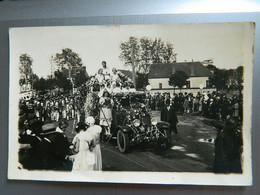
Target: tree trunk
{"points": [[133, 65]]}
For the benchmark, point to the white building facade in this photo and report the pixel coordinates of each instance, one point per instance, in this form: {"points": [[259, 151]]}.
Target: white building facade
{"points": [[198, 76]]}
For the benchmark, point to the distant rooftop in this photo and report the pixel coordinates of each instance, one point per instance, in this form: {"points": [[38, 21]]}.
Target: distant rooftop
{"points": [[192, 69]]}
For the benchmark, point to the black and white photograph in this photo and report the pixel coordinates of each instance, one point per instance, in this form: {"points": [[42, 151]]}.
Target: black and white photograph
{"points": [[155, 104]]}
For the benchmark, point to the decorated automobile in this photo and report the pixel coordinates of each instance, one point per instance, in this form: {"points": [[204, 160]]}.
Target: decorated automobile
{"points": [[132, 123]]}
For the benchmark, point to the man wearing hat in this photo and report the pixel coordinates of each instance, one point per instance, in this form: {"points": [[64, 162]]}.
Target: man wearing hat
{"points": [[30, 155], [57, 148]]}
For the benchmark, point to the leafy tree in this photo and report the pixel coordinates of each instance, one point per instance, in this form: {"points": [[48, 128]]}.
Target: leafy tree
{"points": [[58, 74], [145, 58], [40, 85], [141, 53], [25, 68], [129, 49], [50, 83], [220, 78], [178, 79], [67, 59], [43, 85], [162, 52], [141, 80], [146, 52], [80, 79], [130, 54], [61, 81], [34, 78]]}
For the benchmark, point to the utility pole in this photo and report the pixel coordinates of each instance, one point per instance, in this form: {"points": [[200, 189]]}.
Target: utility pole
{"points": [[133, 65], [52, 71]]}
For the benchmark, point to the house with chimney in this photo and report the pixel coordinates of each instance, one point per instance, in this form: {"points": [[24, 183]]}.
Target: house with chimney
{"points": [[198, 74]]}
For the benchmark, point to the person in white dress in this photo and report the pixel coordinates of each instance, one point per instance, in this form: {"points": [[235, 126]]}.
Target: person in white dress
{"points": [[95, 131], [106, 103], [83, 144], [100, 77], [114, 77], [106, 71]]}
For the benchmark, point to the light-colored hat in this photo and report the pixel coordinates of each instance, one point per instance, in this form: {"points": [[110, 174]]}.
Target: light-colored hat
{"points": [[90, 120], [48, 126]]}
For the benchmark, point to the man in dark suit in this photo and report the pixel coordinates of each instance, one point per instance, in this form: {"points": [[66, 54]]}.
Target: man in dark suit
{"points": [[168, 115], [228, 148], [57, 147]]}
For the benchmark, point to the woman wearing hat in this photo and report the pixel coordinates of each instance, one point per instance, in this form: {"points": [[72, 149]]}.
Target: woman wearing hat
{"points": [[95, 131], [83, 144]]}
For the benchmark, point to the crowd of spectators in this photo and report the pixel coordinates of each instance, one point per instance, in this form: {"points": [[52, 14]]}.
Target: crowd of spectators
{"points": [[51, 108], [40, 110], [213, 105]]}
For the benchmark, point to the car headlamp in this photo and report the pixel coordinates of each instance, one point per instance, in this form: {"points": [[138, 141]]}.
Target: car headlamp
{"points": [[154, 121], [137, 122]]}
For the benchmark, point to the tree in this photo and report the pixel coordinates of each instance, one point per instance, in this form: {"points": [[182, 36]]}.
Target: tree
{"points": [[220, 78], [80, 79], [40, 85], [162, 52], [145, 57], [67, 59], [178, 79], [141, 53], [50, 83], [141, 80], [130, 54], [61, 81], [25, 68], [146, 52]]}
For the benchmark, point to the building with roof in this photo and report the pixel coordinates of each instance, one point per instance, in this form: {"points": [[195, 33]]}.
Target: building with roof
{"points": [[198, 74]]}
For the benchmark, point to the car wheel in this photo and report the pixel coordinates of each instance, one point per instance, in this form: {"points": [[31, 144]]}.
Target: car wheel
{"points": [[123, 141], [164, 141]]}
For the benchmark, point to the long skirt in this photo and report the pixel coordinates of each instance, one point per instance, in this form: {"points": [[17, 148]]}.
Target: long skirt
{"points": [[98, 158], [84, 161], [105, 117]]}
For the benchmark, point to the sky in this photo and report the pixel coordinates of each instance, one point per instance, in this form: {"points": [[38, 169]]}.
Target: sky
{"points": [[226, 43]]}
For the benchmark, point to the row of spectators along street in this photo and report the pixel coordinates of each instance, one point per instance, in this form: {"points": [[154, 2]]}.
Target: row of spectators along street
{"points": [[54, 108]]}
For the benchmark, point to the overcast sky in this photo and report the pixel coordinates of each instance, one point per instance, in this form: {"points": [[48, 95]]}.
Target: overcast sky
{"points": [[225, 43]]}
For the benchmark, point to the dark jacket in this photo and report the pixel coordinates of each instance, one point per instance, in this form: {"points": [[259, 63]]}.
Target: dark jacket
{"points": [[228, 148], [170, 117], [55, 148]]}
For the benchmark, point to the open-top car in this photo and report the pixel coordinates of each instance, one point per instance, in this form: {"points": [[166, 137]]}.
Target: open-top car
{"points": [[132, 123]]}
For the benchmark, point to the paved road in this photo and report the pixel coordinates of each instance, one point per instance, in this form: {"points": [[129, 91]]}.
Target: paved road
{"points": [[192, 150]]}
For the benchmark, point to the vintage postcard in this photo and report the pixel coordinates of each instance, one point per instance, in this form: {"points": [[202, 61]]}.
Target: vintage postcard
{"points": [[153, 104]]}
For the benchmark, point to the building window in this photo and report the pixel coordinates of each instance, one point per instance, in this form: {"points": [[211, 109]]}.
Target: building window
{"points": [[160, 85], [188, 84], [207, 84]]}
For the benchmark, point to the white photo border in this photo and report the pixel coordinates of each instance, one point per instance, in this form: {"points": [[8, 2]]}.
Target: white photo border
{"points": [[244, 179]]}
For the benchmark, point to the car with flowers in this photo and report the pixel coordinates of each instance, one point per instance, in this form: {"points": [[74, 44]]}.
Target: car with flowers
{"points": [[133, 123]]}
